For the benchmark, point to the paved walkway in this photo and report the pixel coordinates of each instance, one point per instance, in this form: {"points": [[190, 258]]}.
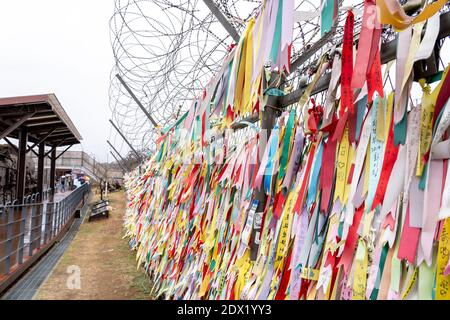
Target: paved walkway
{"points": [[56, 198], [26, 287], [59, 196]]}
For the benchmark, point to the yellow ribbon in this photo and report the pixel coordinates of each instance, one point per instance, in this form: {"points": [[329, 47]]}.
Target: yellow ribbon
{"points": [[411, 283], [360, 275], [310, 274], [243, 81], [285, 230], [443, 281], [392, 13], [381, 120], [342, 163], [426, 118]]}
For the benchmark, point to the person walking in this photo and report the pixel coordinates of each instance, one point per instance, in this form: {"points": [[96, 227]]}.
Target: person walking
{"points": [[76, 183], [63, 184]]}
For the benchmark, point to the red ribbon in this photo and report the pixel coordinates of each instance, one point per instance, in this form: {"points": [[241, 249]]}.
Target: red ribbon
{"points": [[390, 155], [347, 65], [337, 135], [351, 241], [374, 79], [301, 194], [368, 65], [408, 241], [352, 118], [281, 293], [328, 161], [280, 199]]}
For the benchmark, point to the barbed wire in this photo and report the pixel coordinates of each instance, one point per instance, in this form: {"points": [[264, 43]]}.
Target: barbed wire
{"points": [[168, 50]]}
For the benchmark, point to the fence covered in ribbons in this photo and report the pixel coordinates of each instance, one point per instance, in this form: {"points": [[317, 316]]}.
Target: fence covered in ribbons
{"points": [[357, 186]]}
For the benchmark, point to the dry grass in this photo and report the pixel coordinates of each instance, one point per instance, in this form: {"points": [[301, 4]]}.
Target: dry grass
{"points": [[108, 267]]}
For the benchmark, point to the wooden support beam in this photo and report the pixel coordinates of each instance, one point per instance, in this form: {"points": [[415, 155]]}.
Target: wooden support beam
{"points": [[15, 147], [55, 146], [32, 150], [64, 151], [47, 120], [11, 144], [17, 111], [55, 137], [38, 129], [52, 170], [21, 165], [40, 170], [41, 140], [16, 125]]}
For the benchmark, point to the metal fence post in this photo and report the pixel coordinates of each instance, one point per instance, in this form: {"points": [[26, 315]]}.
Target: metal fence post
{"points": [[9, 233], [65, 211], [51, 209], [3, 237], [58, 216], [47, 225], [21, 235], [32, 234]]}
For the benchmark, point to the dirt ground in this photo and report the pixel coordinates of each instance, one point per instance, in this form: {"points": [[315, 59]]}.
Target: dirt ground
{"points": [[107, 266]]}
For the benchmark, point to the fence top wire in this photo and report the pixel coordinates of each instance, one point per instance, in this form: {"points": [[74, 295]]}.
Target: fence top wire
{"points": [[167, 51]]}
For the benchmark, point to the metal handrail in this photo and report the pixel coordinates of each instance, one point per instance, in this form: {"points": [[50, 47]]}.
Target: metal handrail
{"points": [[28, 228], [45, 195]]}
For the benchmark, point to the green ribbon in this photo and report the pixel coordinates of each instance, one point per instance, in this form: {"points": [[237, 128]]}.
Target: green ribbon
{"points": [[274, 92], [423, 178], [179, 121], [286, 144], [400, 131], [427, 280], [160, 152], [327, 16], [277, 34], [376, 288], [225, 98]]}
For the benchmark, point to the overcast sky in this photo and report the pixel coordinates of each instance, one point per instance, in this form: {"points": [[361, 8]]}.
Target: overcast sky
{"points": [[61, 47]]}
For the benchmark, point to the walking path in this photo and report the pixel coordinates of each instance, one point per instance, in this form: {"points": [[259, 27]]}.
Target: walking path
{"points": [[99, 254]]}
